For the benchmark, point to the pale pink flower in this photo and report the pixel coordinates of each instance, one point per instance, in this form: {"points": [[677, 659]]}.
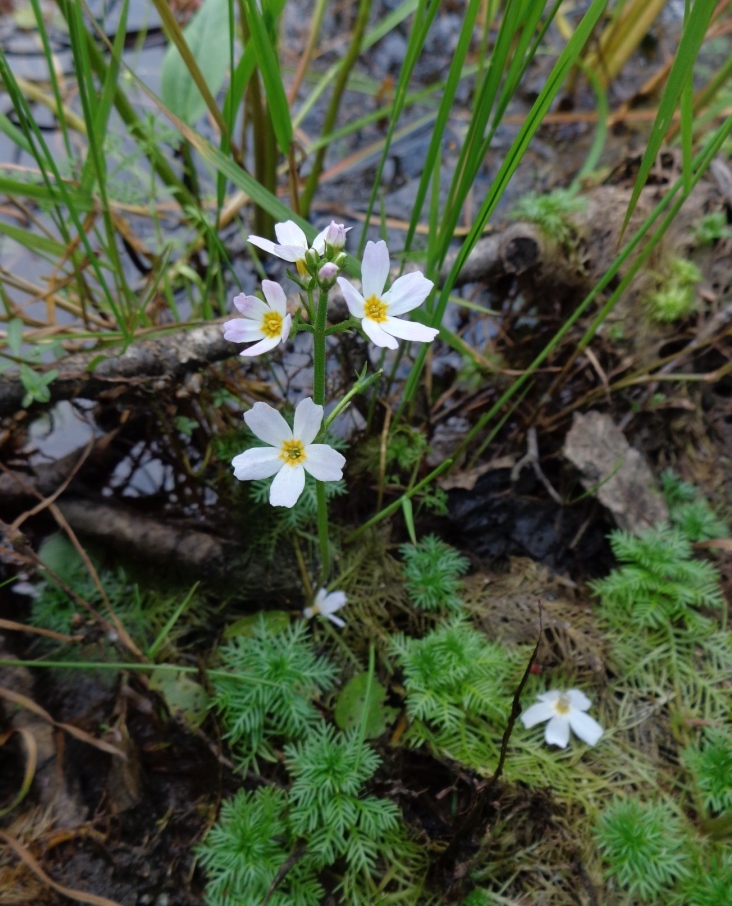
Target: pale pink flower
{"points": [[564, 711], [291, 453], [378, 309], [266, 321]]}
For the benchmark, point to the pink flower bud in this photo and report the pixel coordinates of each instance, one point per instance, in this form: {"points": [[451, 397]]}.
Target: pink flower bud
{"points": [[328, 272], [335, 237]]}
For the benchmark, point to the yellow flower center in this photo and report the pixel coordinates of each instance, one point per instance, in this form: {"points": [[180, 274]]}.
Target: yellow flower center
{"points": [[375, 309], [292, 452], [563, 706], [272, 325]]}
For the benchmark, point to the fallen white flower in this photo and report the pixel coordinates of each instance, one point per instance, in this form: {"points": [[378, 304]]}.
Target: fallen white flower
{"points": [[563, 710], [291, 453], [266, 321], [377, 308], [326, 604]]}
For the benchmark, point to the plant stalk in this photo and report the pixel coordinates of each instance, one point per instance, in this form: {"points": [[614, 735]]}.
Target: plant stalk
{"points": [[321, 318]]}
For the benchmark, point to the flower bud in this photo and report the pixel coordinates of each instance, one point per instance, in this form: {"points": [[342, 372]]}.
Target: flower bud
{"points": [[327, 274], [340, 260], [335, 237], [312, 261]]}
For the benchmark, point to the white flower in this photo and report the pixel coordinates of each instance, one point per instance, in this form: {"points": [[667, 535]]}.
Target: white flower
{"points": [[293, 453], [292, 244], [267, 321], [563, 710], [378, 308], [326, 604]]}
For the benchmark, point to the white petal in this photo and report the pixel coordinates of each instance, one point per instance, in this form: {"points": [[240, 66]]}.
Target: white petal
{"points": [[378, 336], [409, 330], [323, 462], [308, 613], [266, 244], [556, 732], [586, 727], [354, 299], [268, 424], [275, 295], [287, 486], [374, 269], [260, 348], [250, 306], [341, 624], [289, 252], [308, 419], [407, 292], [319, 241], [537, 713], [261, 462], [286, 325], [332, 602], [242, 330], [578, 699], [320, 596], [553, 695], [289, 233]]}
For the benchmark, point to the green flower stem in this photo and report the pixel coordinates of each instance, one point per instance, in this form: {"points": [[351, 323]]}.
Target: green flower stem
{"points": [[321, 318]]}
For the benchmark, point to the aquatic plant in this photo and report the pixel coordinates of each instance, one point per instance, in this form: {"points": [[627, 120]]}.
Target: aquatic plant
{"points": [[432, 571], [710, 763], [269, 687], [690, 511], [659, 583], [459, 689], [644, 845]]}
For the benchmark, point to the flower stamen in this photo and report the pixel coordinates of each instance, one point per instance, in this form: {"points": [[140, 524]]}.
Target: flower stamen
{"points": [[563, 706], [375, 309], [272, 325], [292, 452]]}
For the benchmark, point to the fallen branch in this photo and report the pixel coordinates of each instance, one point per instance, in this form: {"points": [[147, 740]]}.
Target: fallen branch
{"points": [[145, 367]]}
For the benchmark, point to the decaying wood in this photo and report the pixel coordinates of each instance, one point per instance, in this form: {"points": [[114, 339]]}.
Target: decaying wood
{"points": [[145, 367], [178, 549]]}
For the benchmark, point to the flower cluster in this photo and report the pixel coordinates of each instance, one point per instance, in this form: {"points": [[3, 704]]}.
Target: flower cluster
{"points": [[266, 323]]}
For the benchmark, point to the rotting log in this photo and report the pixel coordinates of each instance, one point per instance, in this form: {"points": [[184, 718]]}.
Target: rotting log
{"points": [[145, 367], [540, 264]]}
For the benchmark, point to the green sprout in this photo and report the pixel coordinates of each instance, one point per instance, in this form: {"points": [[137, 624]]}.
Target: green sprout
{"points": [[676, 296], [711, 766], [711, 228], [551, 212]]}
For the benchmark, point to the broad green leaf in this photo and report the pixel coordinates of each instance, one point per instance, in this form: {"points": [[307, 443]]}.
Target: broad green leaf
{"points": [[274, 621], [186, 699], [352, 707], [206, 37]]}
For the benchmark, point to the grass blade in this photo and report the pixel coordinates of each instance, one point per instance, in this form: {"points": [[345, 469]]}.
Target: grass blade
{"points": [[695, 28]]}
